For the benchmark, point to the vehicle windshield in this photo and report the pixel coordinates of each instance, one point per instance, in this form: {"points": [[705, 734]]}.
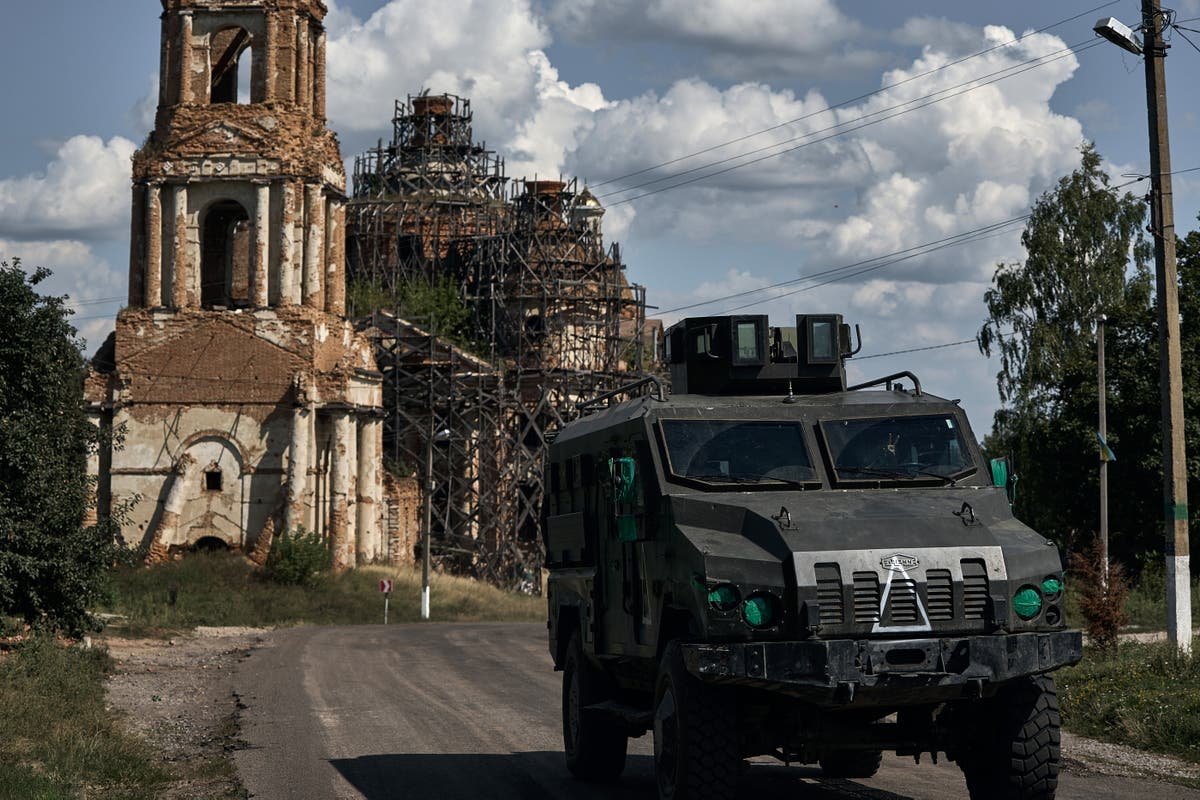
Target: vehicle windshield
{"points": [[897, 448], [738, 451]]}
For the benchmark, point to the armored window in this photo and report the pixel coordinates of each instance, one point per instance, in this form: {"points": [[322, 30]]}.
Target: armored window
{"points": [[212, 481], [898, 448], [749, 341], [822, 341], [746, 452]]}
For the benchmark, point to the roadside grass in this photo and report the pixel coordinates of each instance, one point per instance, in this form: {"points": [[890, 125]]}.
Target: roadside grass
{"points": [[1143, 695], [58, 740], [222, 589]]}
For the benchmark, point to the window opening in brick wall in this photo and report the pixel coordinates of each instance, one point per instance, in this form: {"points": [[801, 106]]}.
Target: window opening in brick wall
{"points": [[231, 55], [225, 255]]}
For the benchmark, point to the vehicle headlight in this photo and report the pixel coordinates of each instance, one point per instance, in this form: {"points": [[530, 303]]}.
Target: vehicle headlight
{"points": [[1027, 602]]}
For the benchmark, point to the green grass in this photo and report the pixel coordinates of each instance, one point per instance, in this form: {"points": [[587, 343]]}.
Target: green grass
{"points": [[1144, 695], [57, 739], [223, 590]]}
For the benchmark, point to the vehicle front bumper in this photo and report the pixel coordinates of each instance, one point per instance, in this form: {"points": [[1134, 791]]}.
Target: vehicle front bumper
{"points": [[841, 671]]}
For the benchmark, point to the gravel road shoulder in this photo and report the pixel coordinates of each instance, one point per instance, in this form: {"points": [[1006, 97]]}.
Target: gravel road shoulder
{"points": [[178, 694]]}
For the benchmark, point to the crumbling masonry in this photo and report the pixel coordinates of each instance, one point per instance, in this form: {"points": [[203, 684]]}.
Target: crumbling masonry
{"points": [[552, 320], [247, 402]]}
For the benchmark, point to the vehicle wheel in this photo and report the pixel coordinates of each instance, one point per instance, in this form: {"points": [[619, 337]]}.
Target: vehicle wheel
{"points": [[851, 763], [1016, 754], [696, 753], [595, 746]]}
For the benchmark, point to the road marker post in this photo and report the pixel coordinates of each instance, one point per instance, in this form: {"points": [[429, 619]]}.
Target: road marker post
{"points": [[386, 587]]}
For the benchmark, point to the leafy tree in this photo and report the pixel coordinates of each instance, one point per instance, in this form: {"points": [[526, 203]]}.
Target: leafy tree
{"points": [[419, 302], [1086, 255], [52, 566]]}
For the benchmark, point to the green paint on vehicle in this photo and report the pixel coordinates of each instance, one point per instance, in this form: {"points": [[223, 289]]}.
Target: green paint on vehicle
{"points": [[1051, 587]]}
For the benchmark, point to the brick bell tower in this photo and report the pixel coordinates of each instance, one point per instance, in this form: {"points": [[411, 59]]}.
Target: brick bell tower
{"points": [[246, 400]]}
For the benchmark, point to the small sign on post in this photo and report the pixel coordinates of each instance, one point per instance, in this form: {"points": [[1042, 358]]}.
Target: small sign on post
{"points": [[386, 587]]}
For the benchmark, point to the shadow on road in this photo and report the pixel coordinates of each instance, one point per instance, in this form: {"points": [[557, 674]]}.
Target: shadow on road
{"points": [[543, 776]]}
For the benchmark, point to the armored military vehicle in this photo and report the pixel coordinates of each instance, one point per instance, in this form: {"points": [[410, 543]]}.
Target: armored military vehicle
{"points": [[771, 562]]}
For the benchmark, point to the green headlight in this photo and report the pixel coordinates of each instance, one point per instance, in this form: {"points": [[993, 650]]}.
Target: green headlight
{"points": [[1027, 602], [1051, 587], [723, 597], [758, 611]]}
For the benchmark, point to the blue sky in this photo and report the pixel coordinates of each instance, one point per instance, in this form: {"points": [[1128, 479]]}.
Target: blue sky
{"points": [[602, 88]]}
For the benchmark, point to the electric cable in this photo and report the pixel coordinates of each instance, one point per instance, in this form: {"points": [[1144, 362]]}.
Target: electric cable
{"points": [[846, 123], [759, 159], [853, 100], [982, 233]]}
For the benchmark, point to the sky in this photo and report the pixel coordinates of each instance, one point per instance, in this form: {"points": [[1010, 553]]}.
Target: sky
{"points": [[737, 144]]}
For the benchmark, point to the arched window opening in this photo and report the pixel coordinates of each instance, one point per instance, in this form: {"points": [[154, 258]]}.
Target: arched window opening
{"points": [[225, 256], [232, 57], [210, 544]]}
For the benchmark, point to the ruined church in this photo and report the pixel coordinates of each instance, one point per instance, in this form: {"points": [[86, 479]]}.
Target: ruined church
{"points": [[241, 399]]}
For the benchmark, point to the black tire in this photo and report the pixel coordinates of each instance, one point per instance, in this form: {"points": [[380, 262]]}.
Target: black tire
{"points": [[595, 746], [851, 763], [696, 752], [1016, 753]]}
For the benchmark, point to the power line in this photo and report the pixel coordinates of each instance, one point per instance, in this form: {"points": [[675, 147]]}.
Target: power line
{"points": [[833, 270], [982, 233], [1068, 52], [928, 347], [841, 277], [853, 100], [846, 123], [918, 349]]}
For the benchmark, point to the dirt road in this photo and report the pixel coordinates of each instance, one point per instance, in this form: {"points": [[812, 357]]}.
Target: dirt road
{"points": [[472, 711]]}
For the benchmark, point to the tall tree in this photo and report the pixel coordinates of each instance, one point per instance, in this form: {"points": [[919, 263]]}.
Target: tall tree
{"points": [[1085, 255], [52, 566]]}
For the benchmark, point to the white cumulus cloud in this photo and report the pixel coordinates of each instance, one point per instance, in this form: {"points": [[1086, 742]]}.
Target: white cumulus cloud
{"points": [[491, 51], [83, 193]]}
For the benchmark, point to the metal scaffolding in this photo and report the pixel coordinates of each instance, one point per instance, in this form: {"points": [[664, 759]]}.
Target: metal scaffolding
{"points": [[552, 320]]}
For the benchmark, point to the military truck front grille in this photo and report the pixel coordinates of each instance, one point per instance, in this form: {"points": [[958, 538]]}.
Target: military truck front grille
{"points": [[829, 594], [975, 589], [866, 597], [939, 594], [902, 601]]}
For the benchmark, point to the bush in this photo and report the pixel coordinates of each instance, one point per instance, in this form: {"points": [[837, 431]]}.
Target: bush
{"points": [[1102, 606], [297, 558]]}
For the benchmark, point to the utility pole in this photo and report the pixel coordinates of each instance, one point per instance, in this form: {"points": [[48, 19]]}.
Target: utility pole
{"points": [[1100, 320], [1162, 224], [429, 485]]}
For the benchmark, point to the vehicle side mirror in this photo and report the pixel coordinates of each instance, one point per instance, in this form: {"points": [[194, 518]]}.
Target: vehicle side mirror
{"points": [[1001, 478]]}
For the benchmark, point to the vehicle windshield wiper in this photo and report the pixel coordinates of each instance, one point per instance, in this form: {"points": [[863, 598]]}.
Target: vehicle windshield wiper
{"points": [[725, 478], [900, 475]]}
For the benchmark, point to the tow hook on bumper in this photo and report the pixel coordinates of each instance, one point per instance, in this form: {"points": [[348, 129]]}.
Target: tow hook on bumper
{"points": [[970, 661]]}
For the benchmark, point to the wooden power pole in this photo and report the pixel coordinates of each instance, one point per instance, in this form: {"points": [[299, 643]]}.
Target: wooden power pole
{"points": [[1162, 224], [1103, 393]]}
